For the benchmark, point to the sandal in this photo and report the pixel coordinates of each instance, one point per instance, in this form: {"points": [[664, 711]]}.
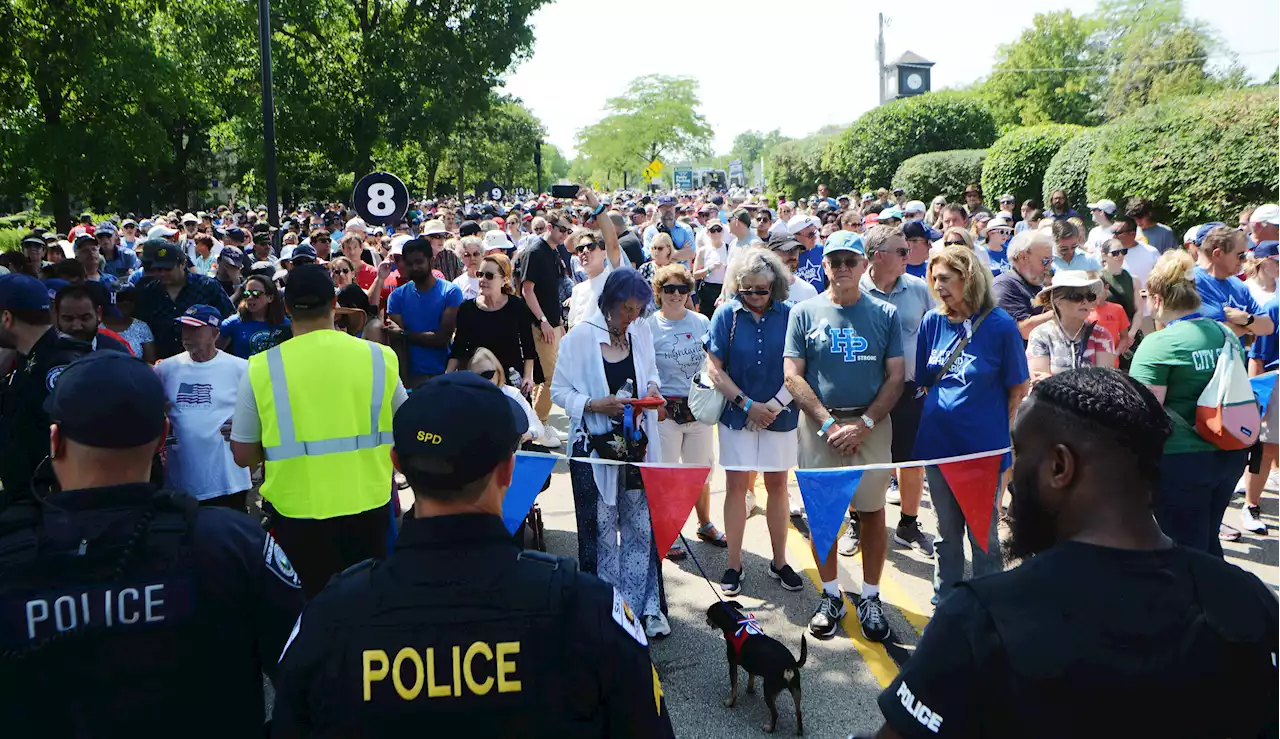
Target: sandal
{"points": [[676, 552], [708, 533], [1228, 533]]}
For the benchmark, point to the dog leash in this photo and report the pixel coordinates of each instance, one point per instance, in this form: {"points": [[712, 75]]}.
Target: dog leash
{"points": [[753, 623]]}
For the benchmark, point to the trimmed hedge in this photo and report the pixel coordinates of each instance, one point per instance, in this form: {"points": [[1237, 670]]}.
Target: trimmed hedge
{"points": [[946, 173], [1198, 159], [1069, 170], [794, 167], [869, 152], [1016, 163]]}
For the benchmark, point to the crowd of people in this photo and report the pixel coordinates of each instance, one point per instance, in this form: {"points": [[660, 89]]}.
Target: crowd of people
{"points": [[838, 330]]}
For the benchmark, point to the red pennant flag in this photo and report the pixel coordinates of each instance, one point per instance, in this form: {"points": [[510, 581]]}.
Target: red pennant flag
{"points": [[671, 491], [973, 483]]}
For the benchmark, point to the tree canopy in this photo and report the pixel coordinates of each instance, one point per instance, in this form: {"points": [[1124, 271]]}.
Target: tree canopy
{"points": [[657, 116]]}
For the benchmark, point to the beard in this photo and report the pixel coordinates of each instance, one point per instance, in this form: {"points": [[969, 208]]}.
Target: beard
{"points": [[1031, 526]]}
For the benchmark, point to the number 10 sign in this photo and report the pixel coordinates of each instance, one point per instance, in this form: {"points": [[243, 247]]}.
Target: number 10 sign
{"points": [[381, 199]]}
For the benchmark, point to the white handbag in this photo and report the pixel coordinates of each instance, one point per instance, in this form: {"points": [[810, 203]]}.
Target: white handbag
{"points": [[706, 402]]}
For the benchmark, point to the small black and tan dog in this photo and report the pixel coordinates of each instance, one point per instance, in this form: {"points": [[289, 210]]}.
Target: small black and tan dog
{"points": [[747, 646]]}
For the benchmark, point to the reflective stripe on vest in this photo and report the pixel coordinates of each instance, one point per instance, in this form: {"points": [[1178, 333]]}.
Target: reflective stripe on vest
{"points": [[289, 446]]}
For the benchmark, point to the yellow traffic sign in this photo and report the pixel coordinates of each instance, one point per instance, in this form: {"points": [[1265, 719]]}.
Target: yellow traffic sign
{"points": [[656, 167], [648, 173]]}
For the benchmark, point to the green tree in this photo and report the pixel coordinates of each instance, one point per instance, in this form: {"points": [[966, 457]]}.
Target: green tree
{"points": [[1153, 52], [794, 166], [751, 146], [554, 165], [656, 117], [1027, 95]]}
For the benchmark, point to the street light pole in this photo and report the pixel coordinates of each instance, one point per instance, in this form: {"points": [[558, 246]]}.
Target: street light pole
{"points": [[268, 115]]}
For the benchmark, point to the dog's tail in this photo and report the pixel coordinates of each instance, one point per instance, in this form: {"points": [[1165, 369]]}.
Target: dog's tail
{"points": [[804, 651]]}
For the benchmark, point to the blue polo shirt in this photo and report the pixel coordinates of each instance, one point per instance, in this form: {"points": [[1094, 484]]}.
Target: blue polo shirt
{"points": [[967, 410], [1081, 260], [1216, 294], [754, 357], [681, 236], [1266, 349], [422, 311]]}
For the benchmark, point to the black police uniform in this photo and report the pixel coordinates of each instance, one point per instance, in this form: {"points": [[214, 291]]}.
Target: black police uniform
{"points": [[125, 611], [461, 634], [1092, 641], [24, 424]]}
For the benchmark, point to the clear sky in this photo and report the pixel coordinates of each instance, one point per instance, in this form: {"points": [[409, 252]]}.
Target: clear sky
{"points": [[765, 64]]}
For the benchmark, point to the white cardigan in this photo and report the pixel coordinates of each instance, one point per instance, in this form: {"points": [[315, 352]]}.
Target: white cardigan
{"points": [[579, 377]]}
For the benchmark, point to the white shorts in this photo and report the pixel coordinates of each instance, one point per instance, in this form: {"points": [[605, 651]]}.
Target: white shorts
{"points": [[687, 443], [762, 451]]}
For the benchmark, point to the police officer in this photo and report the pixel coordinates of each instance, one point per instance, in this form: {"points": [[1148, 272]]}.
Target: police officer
{"points": [[125, 610], [326, 443], [459, 632], [1107, 629], [26, 325]]}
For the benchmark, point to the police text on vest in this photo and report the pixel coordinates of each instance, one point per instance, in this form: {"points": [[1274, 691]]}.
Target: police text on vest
{"points": [[126, 606], [925, 715]]}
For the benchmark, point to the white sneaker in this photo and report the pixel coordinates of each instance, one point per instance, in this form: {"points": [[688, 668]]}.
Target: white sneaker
{"points": [[549, 438], [797, 504], [751, 504], [893, 495], [656, 625], [1250, 519]]}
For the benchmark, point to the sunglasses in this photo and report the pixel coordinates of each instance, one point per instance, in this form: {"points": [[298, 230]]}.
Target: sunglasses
{"points": [[900, 251], [488, 374], [1122, 231], [563, 229], [763, 219], [489, 275], [844, 262], [1119, 252], [341, 271], [253, 293], [683, 289], [715, 229], [321, 241], [954, 243], [1076, 296], [761, 292], [587, 246], [1046, 261]]}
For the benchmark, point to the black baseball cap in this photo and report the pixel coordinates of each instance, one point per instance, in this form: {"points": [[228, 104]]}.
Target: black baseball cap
{"points": [[468, 228], [161, 253], [109, 400], [455, 429], [310, 287]]}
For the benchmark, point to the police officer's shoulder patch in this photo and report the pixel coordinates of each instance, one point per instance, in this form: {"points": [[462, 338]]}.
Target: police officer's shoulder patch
{"points": [[52, 377], [627, 620], [278, 563]]}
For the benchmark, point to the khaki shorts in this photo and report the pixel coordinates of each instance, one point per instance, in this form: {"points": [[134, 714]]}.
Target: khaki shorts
{"points": [[876, 448]]}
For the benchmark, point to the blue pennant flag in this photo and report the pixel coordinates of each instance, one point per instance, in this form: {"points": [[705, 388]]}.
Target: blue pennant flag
{"points": [[826, 496], [1263, 385], [526, 482]]}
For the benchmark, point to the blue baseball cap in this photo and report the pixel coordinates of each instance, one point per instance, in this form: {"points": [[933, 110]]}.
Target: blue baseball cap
{"points": [[110, 400], [1204, 230], [22, 292], [54, 284], [455, 429], [844, 241], [200, 315], [666, 200], [1266, 250], [304, 253], [235, 232]]}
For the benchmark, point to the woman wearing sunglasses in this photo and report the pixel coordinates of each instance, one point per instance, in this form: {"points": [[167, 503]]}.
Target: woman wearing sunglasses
{"points": [[1070, 340], [342, 271], [497, 320], [677, 346], [259, 323], [708, 268], [660, 256], [472, 250], [485, 364], [757, 429]]}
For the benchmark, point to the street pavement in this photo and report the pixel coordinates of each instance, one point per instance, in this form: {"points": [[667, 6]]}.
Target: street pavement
{"points": [[843, 675]]}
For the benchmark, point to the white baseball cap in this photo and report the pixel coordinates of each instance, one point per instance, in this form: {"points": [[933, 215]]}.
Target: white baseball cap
{"points": [[1269, 213], [1104, 205], [800, 222], [190, 218], [397, 244], [160, 232], [495, 240], [913, 206], [1190, 236], [356, 225]]}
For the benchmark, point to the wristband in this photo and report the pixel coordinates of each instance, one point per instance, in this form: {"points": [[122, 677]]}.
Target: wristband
{"points": [[826, 425], [599, 209], [747, 405]]}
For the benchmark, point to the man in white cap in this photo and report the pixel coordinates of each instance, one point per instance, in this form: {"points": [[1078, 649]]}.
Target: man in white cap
{"points": [[449, 264], [161, 231], [804, 228], [913, 211], [1099, 236], [1264, 224]]}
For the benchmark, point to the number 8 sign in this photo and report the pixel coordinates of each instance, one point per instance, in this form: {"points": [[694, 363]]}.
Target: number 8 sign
{"points": [[381, 199]]}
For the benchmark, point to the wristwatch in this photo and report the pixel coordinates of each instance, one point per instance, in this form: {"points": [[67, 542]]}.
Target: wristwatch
{"points": [[544, 319], [1250, 321], [868, 422], [739, 399]]}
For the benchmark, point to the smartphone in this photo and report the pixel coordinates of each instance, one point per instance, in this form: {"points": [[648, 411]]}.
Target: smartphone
{"points": [[564, 192]]}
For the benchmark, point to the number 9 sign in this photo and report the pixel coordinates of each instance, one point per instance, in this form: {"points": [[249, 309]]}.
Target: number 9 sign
{"points": [[380, 199]]}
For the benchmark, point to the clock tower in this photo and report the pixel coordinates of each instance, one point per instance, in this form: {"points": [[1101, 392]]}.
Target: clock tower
{"points": [[908, 75]]}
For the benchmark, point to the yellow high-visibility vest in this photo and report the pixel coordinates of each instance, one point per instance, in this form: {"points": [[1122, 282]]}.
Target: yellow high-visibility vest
{"points": [[324, 399]]}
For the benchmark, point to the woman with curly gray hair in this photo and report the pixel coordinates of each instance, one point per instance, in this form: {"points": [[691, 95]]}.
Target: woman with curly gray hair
{"points": [[758, 426]]}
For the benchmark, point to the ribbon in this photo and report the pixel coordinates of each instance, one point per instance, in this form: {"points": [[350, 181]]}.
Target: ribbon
{"points": [[749, 625]]}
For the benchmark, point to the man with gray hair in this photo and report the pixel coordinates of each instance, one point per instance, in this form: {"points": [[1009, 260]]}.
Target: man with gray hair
{"points": [[1031, 256], [886, 278]]}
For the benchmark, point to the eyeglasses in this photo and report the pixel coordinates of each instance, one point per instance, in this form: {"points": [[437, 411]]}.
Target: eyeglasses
{"points": [[715, 229], [1118, 252], [563, 229], [322, 240], [587, 246], [253, 293], [1046, 261], [954, 243], [489, 275], [671, 288], [900, 251], [488, 374], [843, 262], [1075, 296], [763, 219], [761, 292]]}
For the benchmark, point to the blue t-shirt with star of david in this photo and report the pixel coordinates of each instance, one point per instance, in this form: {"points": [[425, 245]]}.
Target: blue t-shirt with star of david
{"points": [[844, 347], [967, 410]]}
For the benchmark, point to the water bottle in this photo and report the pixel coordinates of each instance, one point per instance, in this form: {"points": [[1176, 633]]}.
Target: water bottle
{"points": [[628, 390], [513, 377]]}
